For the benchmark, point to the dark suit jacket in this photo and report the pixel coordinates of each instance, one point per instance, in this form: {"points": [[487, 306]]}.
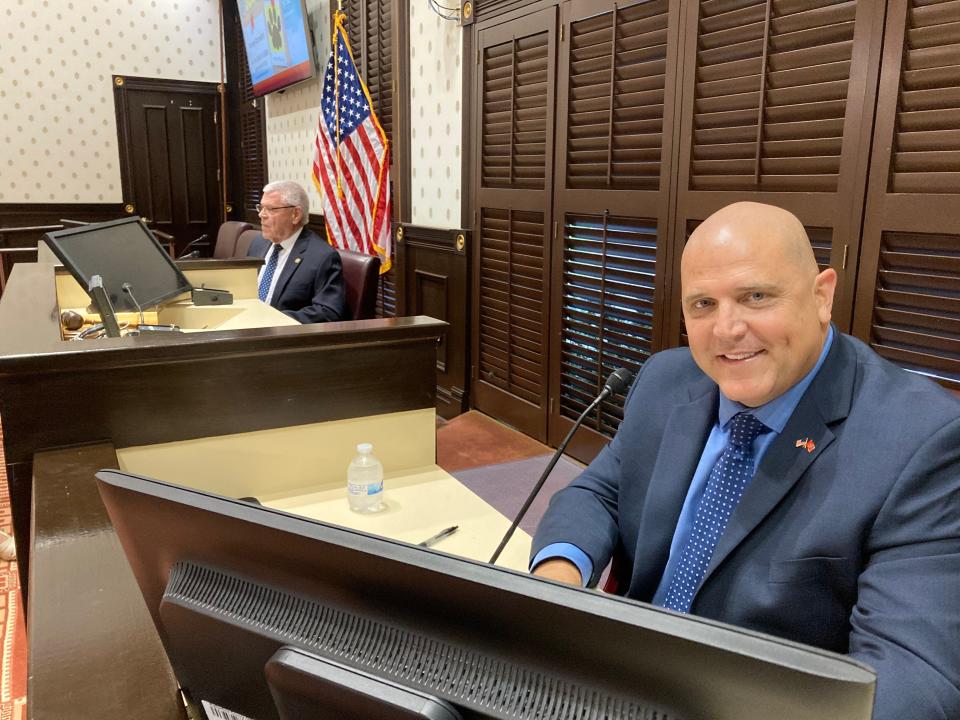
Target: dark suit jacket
{"points": [[310, 288], [853, 547]]}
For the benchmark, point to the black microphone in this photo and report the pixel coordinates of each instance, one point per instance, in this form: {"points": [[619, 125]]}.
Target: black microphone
{"points": [[186, 254], [618, 381], [128, 289]]}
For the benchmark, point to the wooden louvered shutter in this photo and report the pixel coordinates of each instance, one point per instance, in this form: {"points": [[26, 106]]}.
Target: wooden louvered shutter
{"points": [[355, 23], [616, 99], [779, 90], [908, 298], [512, 187], [253, 136]]}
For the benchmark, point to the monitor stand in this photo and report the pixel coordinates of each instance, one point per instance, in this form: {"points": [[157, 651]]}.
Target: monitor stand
{"points": [[308, 687]]}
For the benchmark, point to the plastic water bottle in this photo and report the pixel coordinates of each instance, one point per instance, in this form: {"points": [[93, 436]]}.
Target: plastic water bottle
{"points": [[365, 481]]}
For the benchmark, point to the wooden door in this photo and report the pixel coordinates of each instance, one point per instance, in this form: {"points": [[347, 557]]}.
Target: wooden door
{"points": [[170, 155], [512, 185]]}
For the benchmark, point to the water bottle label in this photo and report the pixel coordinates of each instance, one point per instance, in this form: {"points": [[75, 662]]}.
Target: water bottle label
{"points": [[364, 489]]}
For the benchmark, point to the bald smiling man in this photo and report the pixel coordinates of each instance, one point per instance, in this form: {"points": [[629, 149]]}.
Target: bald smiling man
{"points": [[779, 475]]}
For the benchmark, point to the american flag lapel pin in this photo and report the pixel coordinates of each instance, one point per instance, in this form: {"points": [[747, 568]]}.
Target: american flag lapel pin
{"points": [[806, 443]]}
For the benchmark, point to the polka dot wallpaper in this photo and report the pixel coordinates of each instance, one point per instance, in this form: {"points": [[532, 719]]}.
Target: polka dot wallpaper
{"points": [[58, 136], [435, 112]]}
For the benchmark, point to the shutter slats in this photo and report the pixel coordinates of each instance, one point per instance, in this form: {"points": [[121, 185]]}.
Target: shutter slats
{"points": [[515, 86], [609, 281], [916, 318], [800, 100], [511, 340], [927, 135], [615, 103]]}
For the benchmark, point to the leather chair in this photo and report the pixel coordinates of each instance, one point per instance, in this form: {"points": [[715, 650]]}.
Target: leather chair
{"points": [[243, 242], [361, 276], [227, 237]]}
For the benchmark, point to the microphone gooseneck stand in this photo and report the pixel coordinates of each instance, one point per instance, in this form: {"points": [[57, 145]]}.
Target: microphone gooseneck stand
{"points": [[618, 381]]}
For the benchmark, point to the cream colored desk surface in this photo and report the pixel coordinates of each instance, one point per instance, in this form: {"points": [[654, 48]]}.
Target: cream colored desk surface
{"points": [[418, 505], [246, 311], [302, 469], [241, 315]]}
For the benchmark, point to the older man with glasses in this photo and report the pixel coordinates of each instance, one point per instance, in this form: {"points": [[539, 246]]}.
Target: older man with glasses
{"points": [[302, 275]]}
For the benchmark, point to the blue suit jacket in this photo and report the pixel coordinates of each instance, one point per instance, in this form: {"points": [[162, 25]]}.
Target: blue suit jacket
{"points": [[853, 546], [310, 288]]}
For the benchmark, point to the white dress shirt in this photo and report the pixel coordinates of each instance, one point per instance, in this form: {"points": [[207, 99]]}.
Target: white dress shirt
{"points": [[285, 246]]}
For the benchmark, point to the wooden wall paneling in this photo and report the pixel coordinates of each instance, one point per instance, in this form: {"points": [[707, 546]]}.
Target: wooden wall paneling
{"points": [[908, 293], [775, 97], [617, 75], [494, 10], [512, 186], [437, 283], [23, 226]]}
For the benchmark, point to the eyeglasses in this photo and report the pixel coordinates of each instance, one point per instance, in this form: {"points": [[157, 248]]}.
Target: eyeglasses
{"points": [[270, 210]]}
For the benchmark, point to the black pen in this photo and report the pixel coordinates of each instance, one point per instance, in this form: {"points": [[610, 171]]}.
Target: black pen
{"points": [[434, 539]]}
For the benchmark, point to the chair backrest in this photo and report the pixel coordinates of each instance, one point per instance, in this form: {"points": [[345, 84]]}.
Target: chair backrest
{"points": [[361, 274], [227, 237], [243, 242]]}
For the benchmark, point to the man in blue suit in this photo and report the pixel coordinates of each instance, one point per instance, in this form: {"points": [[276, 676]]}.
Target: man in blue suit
{"points": [[302, 274], [780, 475]]}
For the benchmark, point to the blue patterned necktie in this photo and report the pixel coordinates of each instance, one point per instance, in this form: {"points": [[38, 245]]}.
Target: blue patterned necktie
{"points": [[725, 486], [271, 268]]}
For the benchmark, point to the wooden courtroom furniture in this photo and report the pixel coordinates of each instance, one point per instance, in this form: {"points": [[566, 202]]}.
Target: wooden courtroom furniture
{"points": [[67, 404], [361, 275], [93, 649], [168, 387]]}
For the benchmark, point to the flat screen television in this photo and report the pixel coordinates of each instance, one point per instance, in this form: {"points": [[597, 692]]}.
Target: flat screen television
{"points": [[122, 252], [235, 589], [277, 40]]}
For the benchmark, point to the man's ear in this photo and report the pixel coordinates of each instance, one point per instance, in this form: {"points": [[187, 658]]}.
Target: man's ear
{"points": [[824, 287]]}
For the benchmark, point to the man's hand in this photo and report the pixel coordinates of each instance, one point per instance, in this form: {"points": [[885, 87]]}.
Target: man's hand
{"points": [[559, 569]]}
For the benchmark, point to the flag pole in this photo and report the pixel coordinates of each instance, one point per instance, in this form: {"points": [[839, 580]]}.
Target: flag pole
{"points": [[337, 24]]}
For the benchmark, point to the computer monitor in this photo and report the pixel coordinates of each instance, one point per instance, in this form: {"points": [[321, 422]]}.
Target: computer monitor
{"points": [[230, 583], [122, 252]]}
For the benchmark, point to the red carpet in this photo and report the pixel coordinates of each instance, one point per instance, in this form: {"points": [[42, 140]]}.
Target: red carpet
{"points": [[474, 439], [13, 678]]}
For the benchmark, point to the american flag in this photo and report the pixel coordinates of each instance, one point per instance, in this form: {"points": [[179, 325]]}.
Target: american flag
{"points": [[351, 159]]}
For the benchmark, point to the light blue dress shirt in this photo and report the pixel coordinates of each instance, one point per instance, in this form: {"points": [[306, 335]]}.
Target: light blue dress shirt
{"points": [[773, 414]]}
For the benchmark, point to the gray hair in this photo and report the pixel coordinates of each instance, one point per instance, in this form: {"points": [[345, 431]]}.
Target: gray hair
{"points": [[291, 193]]}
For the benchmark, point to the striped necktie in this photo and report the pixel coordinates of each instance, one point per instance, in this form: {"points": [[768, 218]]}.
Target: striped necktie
{"points": [[725, 486], [268, 272]]}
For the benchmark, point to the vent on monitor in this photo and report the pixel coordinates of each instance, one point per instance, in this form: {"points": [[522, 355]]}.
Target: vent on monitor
{"points": [[490, 686]]}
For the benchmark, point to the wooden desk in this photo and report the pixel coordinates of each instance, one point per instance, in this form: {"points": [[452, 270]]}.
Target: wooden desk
{"points": [[170, 387], [94, 652]]}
